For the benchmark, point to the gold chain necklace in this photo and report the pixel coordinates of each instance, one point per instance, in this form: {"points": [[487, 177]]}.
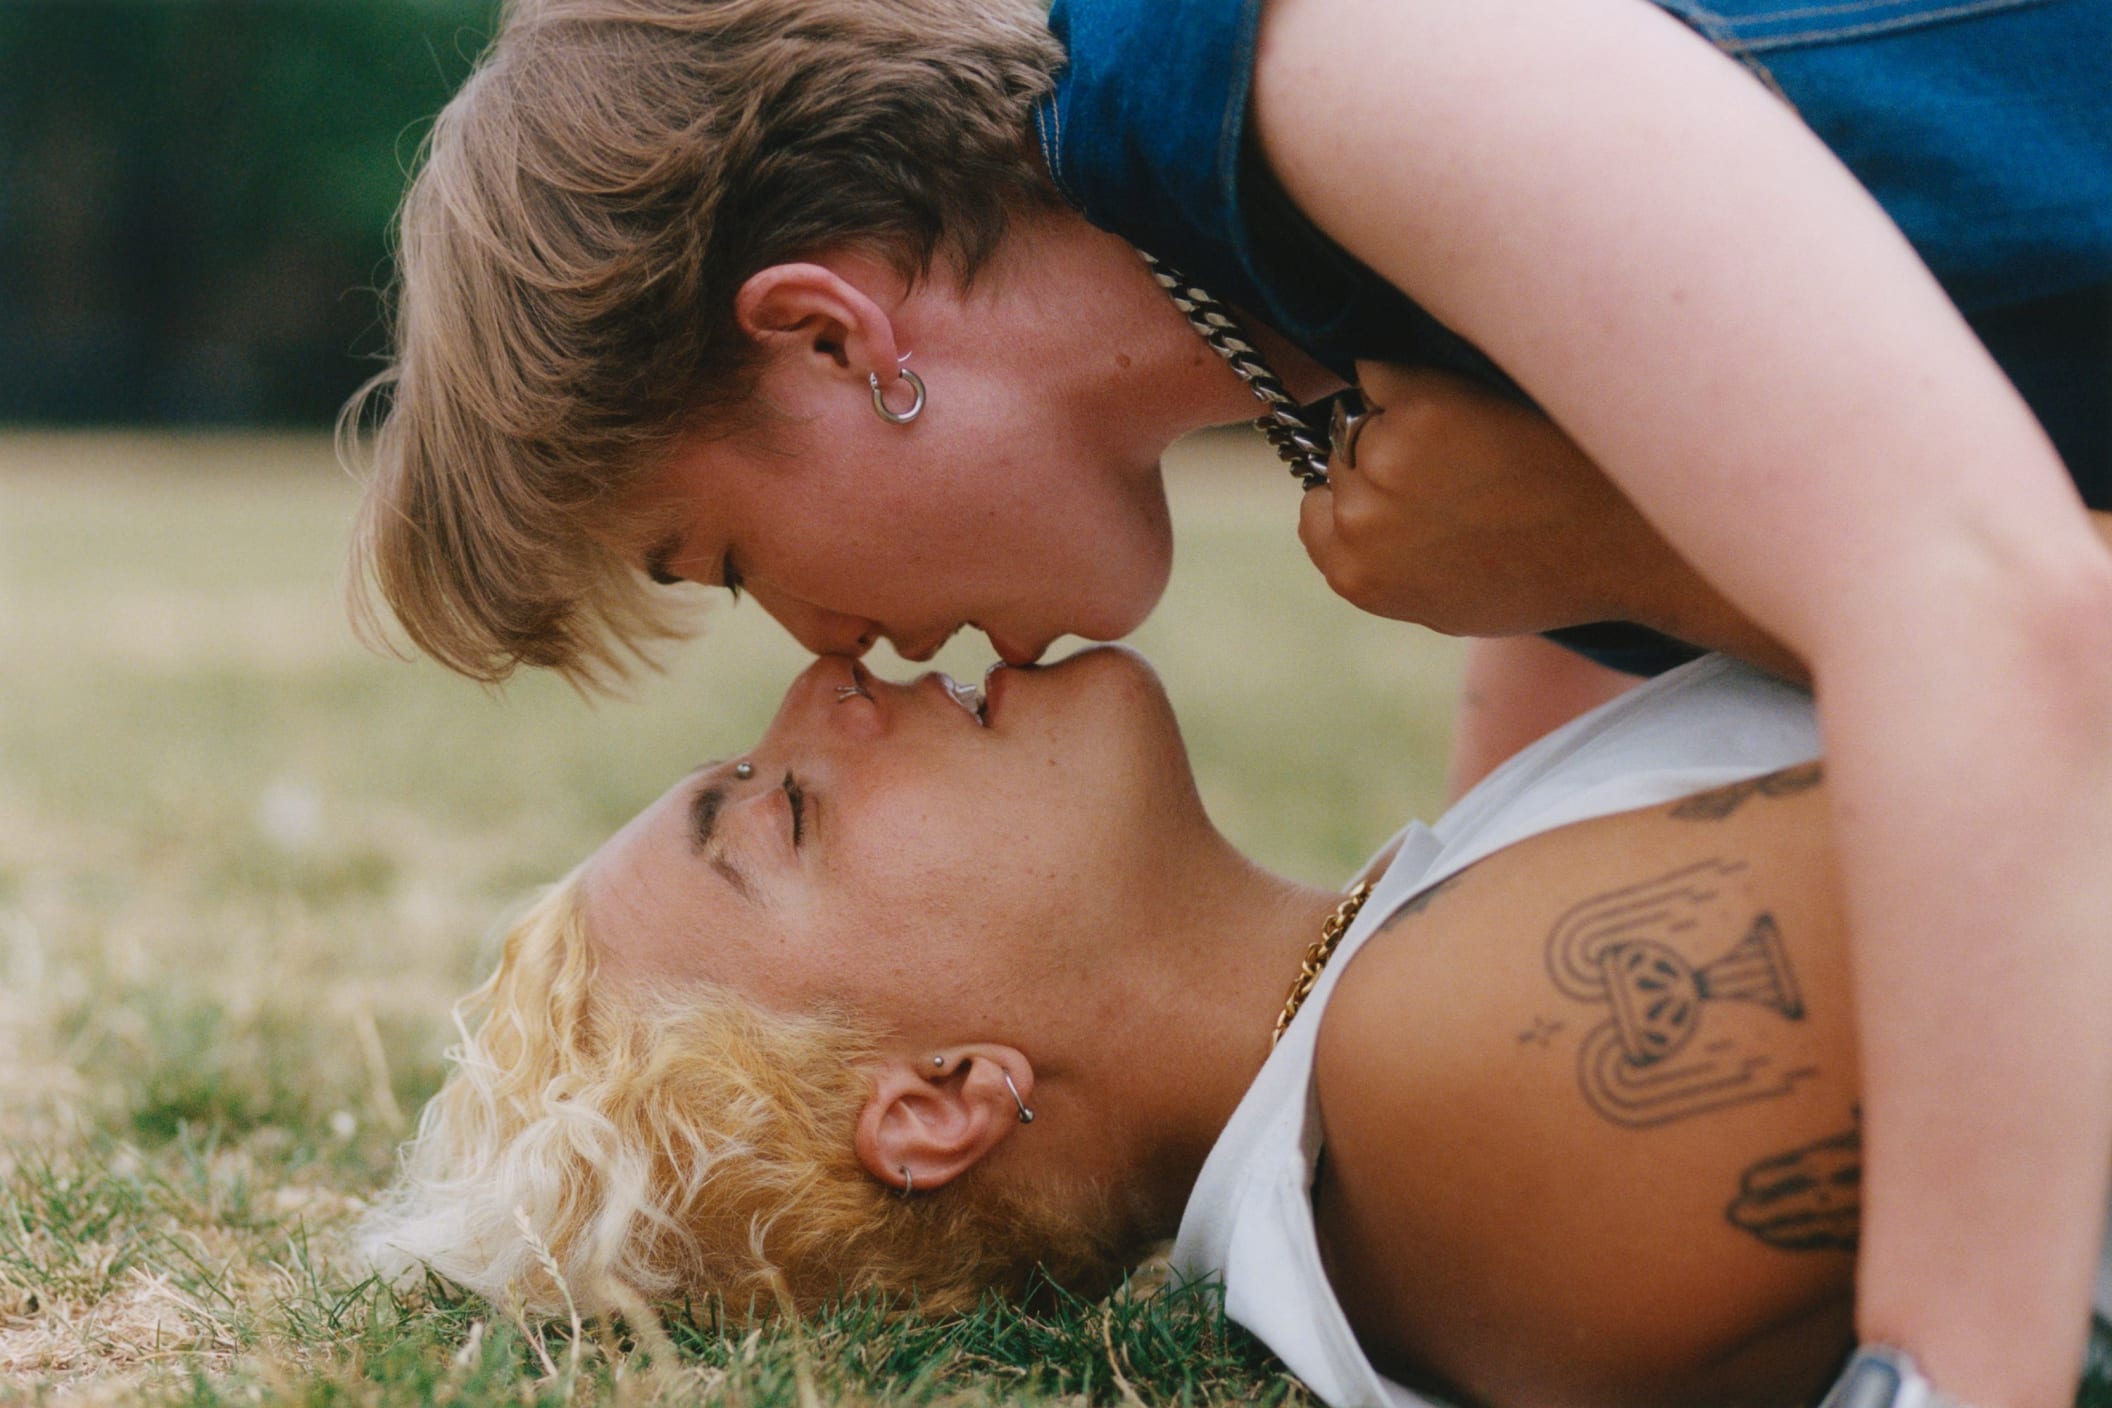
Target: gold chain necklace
{"points": [[1316, 955]]}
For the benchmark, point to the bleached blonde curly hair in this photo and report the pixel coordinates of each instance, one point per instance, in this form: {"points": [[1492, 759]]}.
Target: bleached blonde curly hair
{"points": [[688, 1143]]}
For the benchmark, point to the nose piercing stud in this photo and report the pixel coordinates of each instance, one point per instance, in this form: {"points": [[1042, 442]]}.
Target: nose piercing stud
{"points": [[744, 771], [1026, 1116]]}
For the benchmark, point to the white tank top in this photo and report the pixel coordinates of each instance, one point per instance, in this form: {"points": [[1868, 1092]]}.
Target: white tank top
{"points": [[1249, 1222]]}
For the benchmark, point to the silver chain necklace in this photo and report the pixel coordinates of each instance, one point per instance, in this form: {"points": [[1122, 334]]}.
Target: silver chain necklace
{"points": [[1293, 439]]}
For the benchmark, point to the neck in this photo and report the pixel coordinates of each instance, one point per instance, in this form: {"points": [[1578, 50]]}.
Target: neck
{"points": [[1188, 1026], [1148, 375]]}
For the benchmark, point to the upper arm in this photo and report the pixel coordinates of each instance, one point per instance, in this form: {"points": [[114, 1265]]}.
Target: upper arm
{"points": [[1678, 270], [1542, 1172]]}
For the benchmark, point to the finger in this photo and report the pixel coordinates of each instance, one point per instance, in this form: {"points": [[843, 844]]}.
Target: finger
{"points": [[1316, 525], [1386, 383]]}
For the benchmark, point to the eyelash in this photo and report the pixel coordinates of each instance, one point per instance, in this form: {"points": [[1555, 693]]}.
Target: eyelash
{"points": [[798, 797], [730, 577]]}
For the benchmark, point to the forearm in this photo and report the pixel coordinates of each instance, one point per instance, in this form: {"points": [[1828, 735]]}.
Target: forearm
{"points": [[1720, 317], [1974, 858], [1517, 689]]}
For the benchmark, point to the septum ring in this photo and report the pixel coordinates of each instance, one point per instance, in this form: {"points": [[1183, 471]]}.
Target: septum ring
{"points": [[845, 693], [1345, 425], [916, 405]]}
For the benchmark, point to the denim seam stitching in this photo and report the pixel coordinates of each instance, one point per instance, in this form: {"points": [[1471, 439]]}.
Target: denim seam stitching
{"points": [[1052, 149], [1732, 34]]}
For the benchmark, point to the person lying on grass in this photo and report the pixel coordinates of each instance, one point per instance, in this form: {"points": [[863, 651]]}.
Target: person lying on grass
{"points": [[928, 990], [837, 300]]}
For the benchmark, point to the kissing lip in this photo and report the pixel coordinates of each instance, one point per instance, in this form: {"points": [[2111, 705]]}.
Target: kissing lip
{"points": [[1011, 652]]}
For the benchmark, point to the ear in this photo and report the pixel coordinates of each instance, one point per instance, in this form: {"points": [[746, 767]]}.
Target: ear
{"points": [[927, 1124], [811, 311]]}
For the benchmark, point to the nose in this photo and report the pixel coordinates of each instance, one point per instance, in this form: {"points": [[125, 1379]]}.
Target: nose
{"points": [[822, 631]]}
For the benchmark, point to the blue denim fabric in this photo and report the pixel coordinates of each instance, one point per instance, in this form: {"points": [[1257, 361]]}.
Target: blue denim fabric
{"points": [[1984, 127]]}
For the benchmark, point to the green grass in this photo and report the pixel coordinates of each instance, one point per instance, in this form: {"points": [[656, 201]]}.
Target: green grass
{"points": [[245, 866]]}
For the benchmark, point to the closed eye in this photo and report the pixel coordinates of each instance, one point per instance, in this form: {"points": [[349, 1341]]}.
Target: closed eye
{"points": [[798, 798]]}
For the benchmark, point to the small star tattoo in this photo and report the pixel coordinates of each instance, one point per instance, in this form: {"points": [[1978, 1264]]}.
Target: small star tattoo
{"points": [[1543, 1032]]}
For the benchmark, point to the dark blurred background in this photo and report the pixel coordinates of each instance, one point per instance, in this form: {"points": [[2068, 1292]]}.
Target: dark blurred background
{"points": [[195, 197]]}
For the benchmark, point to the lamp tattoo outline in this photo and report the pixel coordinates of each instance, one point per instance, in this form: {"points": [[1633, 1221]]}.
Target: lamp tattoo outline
{"points": [[1647, 1063]]}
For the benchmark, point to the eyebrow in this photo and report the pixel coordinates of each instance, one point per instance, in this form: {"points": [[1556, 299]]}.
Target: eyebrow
{"points": [[703, 822]]}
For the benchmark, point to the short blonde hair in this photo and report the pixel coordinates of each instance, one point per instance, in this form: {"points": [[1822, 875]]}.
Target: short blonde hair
{"points": [[586, 208], [688, 1144]]}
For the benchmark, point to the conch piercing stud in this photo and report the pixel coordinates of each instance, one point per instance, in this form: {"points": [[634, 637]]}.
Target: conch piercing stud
{"points": [[744, 771], [1026, 1116]]}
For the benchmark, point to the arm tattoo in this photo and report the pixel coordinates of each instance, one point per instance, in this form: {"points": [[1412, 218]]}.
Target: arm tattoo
{"points": [[1660, 956], [1716, 805], [1807, 1200], [1418, 902]]}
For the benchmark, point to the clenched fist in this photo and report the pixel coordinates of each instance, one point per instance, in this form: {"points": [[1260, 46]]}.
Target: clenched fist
{"points": [[1476, 516]]}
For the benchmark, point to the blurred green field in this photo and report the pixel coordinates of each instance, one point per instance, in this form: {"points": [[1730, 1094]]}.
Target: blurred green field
{"points": [[246, 865]]}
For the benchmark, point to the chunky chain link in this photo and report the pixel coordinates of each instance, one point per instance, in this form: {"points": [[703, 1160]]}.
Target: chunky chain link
{"points": [[1316, 955], [1295, 443]]}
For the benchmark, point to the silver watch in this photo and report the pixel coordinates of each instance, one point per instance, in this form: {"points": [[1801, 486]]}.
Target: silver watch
{"points": [[1879, 1376]]}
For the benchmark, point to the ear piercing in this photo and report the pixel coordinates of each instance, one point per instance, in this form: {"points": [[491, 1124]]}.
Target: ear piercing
{"points": [[1026, 1116], [744, 771], [909, 1180], [916, 405]]}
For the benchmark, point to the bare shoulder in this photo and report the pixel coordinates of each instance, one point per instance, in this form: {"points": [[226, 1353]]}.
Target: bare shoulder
{"points": [[1590, 1111]]}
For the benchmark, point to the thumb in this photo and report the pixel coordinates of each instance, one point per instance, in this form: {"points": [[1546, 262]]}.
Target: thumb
{"points": [[1316, 526]]}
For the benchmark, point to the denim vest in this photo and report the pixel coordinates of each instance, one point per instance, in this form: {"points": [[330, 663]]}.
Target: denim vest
{"points": [[1984, 128]]}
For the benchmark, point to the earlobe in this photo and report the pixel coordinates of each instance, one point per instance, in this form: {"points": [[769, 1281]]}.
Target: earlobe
{"points": [[928, 1122], [811, 310]]}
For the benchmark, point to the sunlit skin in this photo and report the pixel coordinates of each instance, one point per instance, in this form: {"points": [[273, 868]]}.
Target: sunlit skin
{"points": [[1045, 899], [1025, 501], [951, 877]]}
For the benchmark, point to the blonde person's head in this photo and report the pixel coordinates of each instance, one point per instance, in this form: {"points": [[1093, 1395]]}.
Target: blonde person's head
{"points": [[569, 250], [685, 1143]]}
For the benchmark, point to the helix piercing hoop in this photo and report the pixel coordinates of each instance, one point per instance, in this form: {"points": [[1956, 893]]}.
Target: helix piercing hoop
{"points": [[1026, 1116], [916, 405], [744, 771]]}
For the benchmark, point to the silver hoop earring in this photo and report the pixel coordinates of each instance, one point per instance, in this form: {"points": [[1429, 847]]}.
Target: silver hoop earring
{"points": [[916, 406], [1026, 1116], [909, 1180]]}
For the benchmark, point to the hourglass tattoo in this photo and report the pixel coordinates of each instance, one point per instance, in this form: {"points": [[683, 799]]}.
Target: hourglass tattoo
{"points": [[1696, 989]]}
